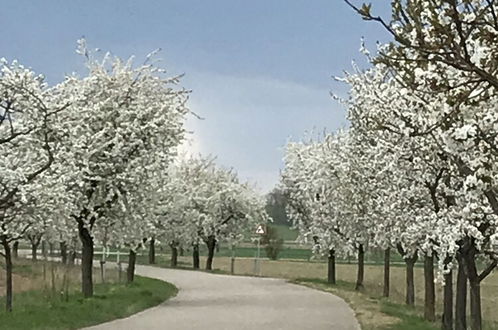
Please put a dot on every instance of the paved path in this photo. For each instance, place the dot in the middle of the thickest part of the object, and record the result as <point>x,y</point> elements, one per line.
<point>220,302</point>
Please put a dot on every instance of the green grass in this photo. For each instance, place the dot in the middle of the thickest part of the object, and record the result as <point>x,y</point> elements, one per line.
<point>410,319</point>
<point>239,252</point>
<point>41,310</point>
<point>489,325</point>
<point>250,252</point>
<point>374,313</point>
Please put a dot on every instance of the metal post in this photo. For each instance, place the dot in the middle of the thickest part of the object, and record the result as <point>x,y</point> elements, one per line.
<point>232,260</point>
<point>118,261</point>
<point>257,264</point>
<point>102,265</point>
<point>259,255</point>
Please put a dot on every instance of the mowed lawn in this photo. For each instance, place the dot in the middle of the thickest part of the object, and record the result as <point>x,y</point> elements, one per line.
<point>295,269</point>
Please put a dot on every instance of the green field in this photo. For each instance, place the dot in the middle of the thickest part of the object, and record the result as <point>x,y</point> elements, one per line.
<point>251,252</point>
<point>285,232</point>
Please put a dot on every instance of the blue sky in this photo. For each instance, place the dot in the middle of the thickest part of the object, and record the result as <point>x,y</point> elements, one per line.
<point>260,71</point>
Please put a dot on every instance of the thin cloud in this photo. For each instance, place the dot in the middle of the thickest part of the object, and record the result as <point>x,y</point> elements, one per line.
<point>249,119</point>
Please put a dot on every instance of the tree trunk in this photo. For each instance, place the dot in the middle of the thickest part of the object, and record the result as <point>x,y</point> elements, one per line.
<point>461,296</point>
<point>331,269</point>
<point>43,247</point>
<point>34,248</point>
<point>102,271</point>
<point>44,271</point>
<point>429,288</point>
<point>475,291</point>
<point>152,251</point>
<point>211,245</point>
<point>387,270</point>
<point>65,283</point>
<point>86,260</point>
<point>71,258</point>
<point>174,255</point>
<point>195,256</point>
<point>361,268</point>
<point>410,280</point>
<point>51,249</point>
<point>475,306</point>
<point>130,271</point>
<point>448,301</point>
<point>15,249</point>
<point>8,273</point>
<point>63,247</point>
<point>52,277</point>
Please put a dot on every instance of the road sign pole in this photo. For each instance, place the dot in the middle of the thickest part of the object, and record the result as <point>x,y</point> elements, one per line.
<point>259,255</point>
<point>232,260</point>
<point>257,265</point>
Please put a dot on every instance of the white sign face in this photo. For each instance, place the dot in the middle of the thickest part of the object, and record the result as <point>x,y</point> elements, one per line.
<point>260,230</point>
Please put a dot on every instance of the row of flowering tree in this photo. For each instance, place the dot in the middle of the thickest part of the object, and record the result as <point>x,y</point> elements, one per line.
<point>203,203</point>
<point>416,171</point>
<point>91,161</point>
<point>72,153</point>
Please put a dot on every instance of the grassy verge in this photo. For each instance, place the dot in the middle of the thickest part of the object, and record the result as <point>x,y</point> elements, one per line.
<point>41,309</point>
<point>373,313</point>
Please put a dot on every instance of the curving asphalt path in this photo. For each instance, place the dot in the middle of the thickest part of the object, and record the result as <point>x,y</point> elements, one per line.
<point>220,302</point>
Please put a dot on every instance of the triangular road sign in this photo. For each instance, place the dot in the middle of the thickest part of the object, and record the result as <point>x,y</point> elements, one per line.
<point>260,230</point>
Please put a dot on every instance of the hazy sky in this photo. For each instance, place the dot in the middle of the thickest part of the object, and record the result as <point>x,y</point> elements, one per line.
<point>260,71</point>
